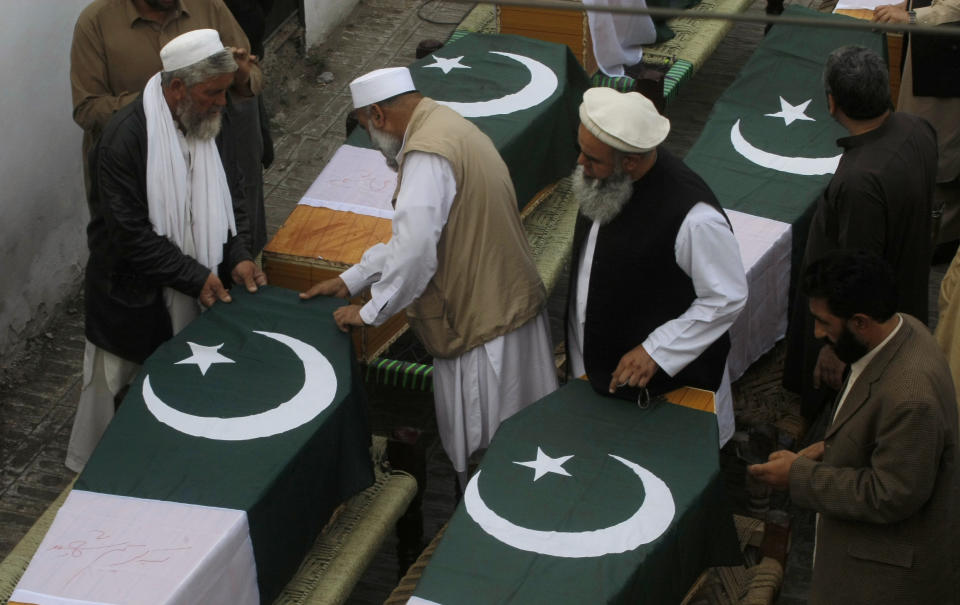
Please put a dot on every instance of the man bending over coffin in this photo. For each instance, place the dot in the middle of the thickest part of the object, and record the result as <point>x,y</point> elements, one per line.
<point>163,227</point>
<point>458,261</point>
<point>657,277</point>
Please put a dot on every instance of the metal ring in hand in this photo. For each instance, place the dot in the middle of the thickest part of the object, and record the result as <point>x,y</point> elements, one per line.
<point>643,398</point>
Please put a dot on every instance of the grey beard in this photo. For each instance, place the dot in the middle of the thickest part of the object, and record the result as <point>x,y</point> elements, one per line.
<point>602,200</point>
<point>388,145</point>
<point>197,125</point>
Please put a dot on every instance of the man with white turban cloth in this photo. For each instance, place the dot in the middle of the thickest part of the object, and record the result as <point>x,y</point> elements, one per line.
<point>163,229</point>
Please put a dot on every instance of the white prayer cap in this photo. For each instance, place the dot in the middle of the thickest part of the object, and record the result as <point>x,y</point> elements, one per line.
<point>627,121</point>
<point>189,48</point>
<point>380,85</point>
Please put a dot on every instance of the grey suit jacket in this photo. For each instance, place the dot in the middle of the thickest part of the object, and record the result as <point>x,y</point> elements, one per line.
<point>888,489</point>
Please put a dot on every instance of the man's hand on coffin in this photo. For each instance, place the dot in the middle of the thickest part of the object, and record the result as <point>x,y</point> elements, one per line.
<point>829,369</point>
<point>330,287</point>
<point>776,472</point>
<point>247,273</point>
<point>213,291</point>
<point>636,368</point>
<point>892,13</point>
<point>348,316</point>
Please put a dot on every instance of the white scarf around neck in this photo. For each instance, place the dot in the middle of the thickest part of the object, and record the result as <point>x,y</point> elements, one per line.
<point>205,208</point>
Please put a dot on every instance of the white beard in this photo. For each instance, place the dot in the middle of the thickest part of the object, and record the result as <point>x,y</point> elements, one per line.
<point>602,200</point>
<point>388,145</point>
<point>197,125</point>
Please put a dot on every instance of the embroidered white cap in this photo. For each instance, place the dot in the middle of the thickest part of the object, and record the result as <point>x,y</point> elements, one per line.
<point>379,85</point>
<point>189,48</point>
<point>627,121</point>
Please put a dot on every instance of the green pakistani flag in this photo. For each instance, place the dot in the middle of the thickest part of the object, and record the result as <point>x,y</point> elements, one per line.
<point>769,147</point>
<point>522,93</point>
<point>254,406</point>
<point>587,499</point>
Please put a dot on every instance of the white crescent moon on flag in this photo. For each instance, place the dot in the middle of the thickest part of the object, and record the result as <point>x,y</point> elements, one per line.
<point>793,165</point>
<point>319,389</point>
<point>648,523</point>
<point>543,83</point>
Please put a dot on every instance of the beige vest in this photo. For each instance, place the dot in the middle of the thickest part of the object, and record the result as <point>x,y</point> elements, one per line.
<point>486,283</point>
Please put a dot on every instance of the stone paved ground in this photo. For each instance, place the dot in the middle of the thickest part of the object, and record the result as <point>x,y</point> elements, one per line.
<point>36,412</point>
<point>38,393</point>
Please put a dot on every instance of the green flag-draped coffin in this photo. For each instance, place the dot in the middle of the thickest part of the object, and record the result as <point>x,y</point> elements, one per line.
<point>769,147</point>
<point>249,420</point>
<point>767,151</point>
<point>522,93</point>
<point>587,499</point>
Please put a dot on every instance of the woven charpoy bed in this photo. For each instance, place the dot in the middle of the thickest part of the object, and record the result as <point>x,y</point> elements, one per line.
<point>330,570</point>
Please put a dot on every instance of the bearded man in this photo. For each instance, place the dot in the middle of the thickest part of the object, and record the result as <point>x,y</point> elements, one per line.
<point>115,51</point>
<point>458,261</point>
<point>884,479</point>
<point>657,277</point>
<point>163,225</point>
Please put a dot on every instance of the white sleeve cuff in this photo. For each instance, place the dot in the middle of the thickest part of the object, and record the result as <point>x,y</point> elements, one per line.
<point>661,357</point>
<point>369,313</point>
<point>354,279</point>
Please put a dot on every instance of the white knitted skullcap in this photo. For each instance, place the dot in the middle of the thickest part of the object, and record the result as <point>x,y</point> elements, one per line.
<point>626,121</point>
<point>189,48</point>
<point>379,85</point>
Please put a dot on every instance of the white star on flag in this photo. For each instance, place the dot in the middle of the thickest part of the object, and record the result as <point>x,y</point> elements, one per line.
<point>789,112</point>
<point>447,64</point>
<point>204,357</point>
<point>545,464</point>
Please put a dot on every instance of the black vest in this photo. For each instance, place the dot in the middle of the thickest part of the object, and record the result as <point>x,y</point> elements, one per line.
<point>636,284</point>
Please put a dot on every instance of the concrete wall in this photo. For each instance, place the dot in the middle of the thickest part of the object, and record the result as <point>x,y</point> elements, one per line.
<point>42,205</point>
<point>321,17</point>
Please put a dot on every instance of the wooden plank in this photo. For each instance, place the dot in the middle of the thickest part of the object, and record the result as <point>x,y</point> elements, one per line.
<point>895,56</point>
<point>559,26</point>
<point>688,397</point>
<point>697,399</point>
<point>287,238</point>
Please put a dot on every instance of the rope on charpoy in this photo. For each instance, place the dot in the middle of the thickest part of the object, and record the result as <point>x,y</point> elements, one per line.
<point>393,371</point>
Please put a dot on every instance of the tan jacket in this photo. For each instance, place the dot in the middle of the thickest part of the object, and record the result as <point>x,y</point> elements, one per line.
<point>887,489</point>
<point>486,283</point>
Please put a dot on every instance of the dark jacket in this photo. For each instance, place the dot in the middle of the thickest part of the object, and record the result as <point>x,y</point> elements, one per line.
<point>129,262</point>
<point>878,200</point>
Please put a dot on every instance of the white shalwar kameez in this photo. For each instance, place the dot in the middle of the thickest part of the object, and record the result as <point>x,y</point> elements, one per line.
<point>707,251</point>
<point>481,388</point>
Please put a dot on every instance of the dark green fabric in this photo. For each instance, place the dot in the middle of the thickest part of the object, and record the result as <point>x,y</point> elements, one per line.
<point>677,444</point>
<point>288,483</point>
<point>538,144</point>
<point>664,32</point>
<point>789,64</point>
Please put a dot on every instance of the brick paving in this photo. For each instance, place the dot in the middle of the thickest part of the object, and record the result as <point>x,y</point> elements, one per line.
<point>36,413</point>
